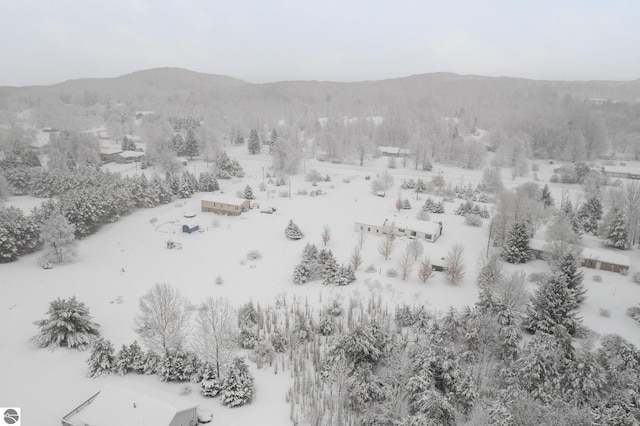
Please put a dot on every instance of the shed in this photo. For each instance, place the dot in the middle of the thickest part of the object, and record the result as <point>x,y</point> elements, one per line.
<point>130,157</point>
<point>604,260</point>
<point>133,405</point>
<point>188,229</point>
<point>394,151</point>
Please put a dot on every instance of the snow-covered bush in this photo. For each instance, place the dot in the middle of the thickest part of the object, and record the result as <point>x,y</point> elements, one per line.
<point>634,312</point>
<point>423,215</point>
<point>278,341</point>
<point>473,219</point>
<point>432,206</point>
<point>293,232</point>
<point>180,366</point>
<point>248,338</point>
<point>254,255</point>
<point>69,324</point>
<point>392,272</point>
<point>262,353</point>
<point>101,361</point>
<point>313,176</point>
<point>636,277</point>
<point>597,278</point>
<point>326,326</point>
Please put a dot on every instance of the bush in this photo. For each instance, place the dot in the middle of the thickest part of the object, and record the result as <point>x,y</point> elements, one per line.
<point>423,215</point>
<point>262,353</point>
<point>283,194</point>
<point>605,312</point>
<point>392,273</point>
<point>554,179</point>
<point>473,220</point>
<point>636,278</point>
<point>313,176</point>
<point>597,278</point>
<point>371,269</point>
<point>254,255</point>
<point>219,280</point>
<point>302,192</point>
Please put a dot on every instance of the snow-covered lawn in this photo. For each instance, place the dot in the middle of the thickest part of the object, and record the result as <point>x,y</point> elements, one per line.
<point>123,260</point>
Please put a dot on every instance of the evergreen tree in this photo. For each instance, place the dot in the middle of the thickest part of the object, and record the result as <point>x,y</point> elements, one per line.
<point>123,362</point>
<point>568,267</point>
<point>207,182</point>
<point>128,144</point>
<point>248,193</point>
<point>545,197</point>
<point>553,305</point>
<point>69,324</point>
<point>301,273</point>
<point>237,386</point>
<point>516,247</point>
<point>238,139</point>
<point>59,240</point>
<point>589,214</point>
<point>191,146</point>
<point>101,361</point>
<point>274,137</point>
<point>254,142</point>
<point>615,232</point>
<point>178,145</point>
<point>293,232</point>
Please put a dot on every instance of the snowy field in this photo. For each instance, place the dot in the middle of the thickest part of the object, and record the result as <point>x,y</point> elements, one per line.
<point>123,260</point>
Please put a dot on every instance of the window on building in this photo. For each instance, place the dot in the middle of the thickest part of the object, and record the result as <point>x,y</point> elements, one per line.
<point>369,229</point>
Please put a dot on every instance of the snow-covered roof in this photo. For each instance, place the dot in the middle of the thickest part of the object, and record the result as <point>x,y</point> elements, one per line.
<point>416,225</point>
<point>224,199</point>
<point>621,169</point>
<point>131,154</point>
<point>372,221</point>
<point>394,150</point>
<point>606,256</point>
<point>110,151</point>
<point>134,405</point>
<point>144,112</point>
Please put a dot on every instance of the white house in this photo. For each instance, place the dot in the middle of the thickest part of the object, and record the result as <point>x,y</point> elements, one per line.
<point>394,151</point>
<point>429,231</point>
<point>133,405</point>
<point>222,204</point>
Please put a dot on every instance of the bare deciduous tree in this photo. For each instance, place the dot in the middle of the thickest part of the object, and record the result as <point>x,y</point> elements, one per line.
<point>454,264</point>
<point>362,237</point>
<point>425,271</point>
<point>326,235</point>
<point>386,245</point>
<point>216,332</point>
<point>511,290</point>
<point>163,320</point>
<point>399,203</point>
<point>405,264</point>
<point>356,258</point>
<point>416,248</point>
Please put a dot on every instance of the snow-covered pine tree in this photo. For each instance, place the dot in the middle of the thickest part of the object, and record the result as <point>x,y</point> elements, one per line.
<point>207,182</point>
<point>615,232</point>
<point>180,366</point>
<point>568,266</point>
<point>248,193</point>
<point>589,214</point>
<point>293,232</point>
<point>406,204</point>
<point>301,273</point>
<point>122,361</point>
<point>101,361</point>
<point>254,142</point>
<point>128,144</point>
<point>552,305</point>
<point>237,386</point>
<point>191,145</point>
<point>274,137</point>
<point>327,266</point>
<point>69,324</point>
<point>151,363</point>
<point>211,384</point>
<point>178,144</point>
<point>59,240</point>
<point>238,139</point>
<point>136,357</point>
<point>344,276</point>
<point>516,247</point>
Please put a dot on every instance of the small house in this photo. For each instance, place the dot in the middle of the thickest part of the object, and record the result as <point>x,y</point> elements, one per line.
<point>393,151</point>
<point>604,260</point>
<point>429,231</point>
<point>134,405</point>
<point>221,204</point>
<point>130,157</point>
<point>621,172</point>
<point>109,155</point>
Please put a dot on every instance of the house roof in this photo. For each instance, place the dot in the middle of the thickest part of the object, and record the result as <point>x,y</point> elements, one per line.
<point>133,405</point>
<point>620,169</point>
<point>415,225</point>
<point>225,199</point>
<point>394,150</point>
<point>131,154</point>
<point>606,256</point>
<point>110,151</point>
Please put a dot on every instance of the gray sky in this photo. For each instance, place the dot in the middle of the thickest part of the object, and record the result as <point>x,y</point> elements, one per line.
<point>48,41</point>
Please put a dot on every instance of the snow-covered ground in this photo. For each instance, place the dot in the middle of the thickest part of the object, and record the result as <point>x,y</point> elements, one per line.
<point>123,260</point>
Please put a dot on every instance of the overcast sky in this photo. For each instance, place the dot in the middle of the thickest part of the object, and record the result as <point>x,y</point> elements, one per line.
<point>48,41</point>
